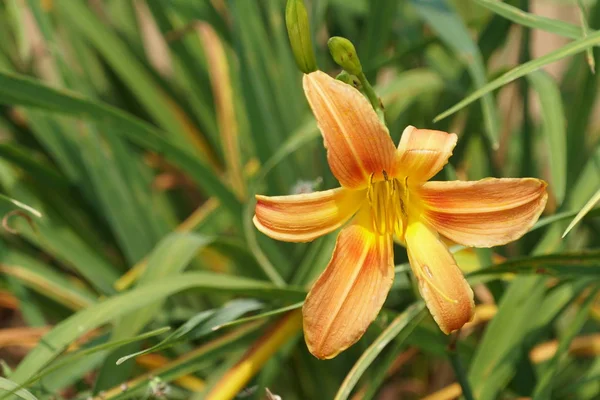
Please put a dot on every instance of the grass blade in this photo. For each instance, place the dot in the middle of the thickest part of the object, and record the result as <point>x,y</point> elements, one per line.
<point>531,20</point>
<point>555,129</point>
<point>451,29</point>
<point>20,206</point>
<point>259,316</point>
<point>572,48</point>
<point>565,264</point>
<point>165,111</point>
<point>543,389</point>
<point>15,89</point>
<point>201,325</point>
<point>13,388</point>
<point>223,92</point>
<point>585,29</point>
<point>403,325</point>
<point>582,213</point>
<point>117,306</point>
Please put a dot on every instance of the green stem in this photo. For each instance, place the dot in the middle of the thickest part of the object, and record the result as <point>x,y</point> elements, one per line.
<point>371,95</point>
<point>459,371</point>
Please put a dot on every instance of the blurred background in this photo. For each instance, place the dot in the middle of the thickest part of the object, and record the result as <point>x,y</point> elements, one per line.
<point>135,133</point>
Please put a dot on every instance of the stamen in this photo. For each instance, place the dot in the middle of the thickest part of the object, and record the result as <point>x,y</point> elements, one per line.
<point>387,207</point>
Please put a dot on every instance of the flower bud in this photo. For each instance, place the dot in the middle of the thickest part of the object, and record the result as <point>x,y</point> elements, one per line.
<point>347,78</point>
<point>344,54</point>
<point>296,20</point>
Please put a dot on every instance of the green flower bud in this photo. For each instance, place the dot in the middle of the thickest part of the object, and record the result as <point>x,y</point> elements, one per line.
<point>296,20</point>
<point>347,78</point>
<point>344,54</point>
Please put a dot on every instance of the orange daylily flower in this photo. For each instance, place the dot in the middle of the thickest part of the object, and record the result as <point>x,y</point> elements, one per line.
<point>384,192</point>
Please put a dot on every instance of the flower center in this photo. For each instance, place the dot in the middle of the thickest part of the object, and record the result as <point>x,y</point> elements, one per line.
<point>388,199</point>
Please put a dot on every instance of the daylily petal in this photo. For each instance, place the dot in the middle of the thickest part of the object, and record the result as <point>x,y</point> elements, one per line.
<point>357,143</point>
<point>484,213</point>
<point>305,217</point>
<point>441,283</point>
<point>350,292</point>
<point>422,153</point>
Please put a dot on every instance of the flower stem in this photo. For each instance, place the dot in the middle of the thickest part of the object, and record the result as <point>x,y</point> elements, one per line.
<point>371,95</point>
<point>457,366</point>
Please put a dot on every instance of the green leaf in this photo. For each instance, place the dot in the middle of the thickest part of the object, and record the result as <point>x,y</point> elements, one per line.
<point>543,389</point>
<point>126,216</point>
<point>133,73</point>
<point>46,281</point>
<point>495,358</point>
<point>89,351</point>
<point>201,324</point>
<point>52,234</point>
<point>562,264</point>
<point>585,30</point>
<point>451,29</point>
<point>12,203</point>
<point>583,212</point>
<point>23,158</point>
<point>554,127</point>
<point>206,354</point>
<point>271,313</point>
<point>545,221</point>
<point>406,88</point>
<point>20,90</point>
<point>13,388</point>
<point>531,20</point>
<point>570,49</point>
<point>73,327</point>
<point>403,325</point>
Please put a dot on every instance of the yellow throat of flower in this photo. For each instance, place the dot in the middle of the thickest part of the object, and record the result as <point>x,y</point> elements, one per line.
<point>388,201</point>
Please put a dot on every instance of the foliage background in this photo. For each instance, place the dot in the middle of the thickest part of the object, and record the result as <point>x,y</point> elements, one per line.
<point>135,133</point>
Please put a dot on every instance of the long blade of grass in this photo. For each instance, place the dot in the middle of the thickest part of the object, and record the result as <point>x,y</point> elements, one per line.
<point>166,112</point>
<point>72,357</point>
<point>201,325</point>
<point>494,360</point>
<point>451,29</point>
<point>73,327</point>
<point>52,234</point>
<point>583,212</point>
<point>542,222</point>
<point>403,325</point>
<point>9,386</point>
<point>15,89</point>
<point>46,281</point>
<point>555,129</point>
<point>237,377</point>
<point>531,20</point>
<point>543,390</point>
<point>574,47</point>
<point>12,203</point>
<point>570,264</point>
<point>39,169</point>
<point>185,364</point>
<point>585,30</point>
<point>259,316</point>
<point>223,93</point>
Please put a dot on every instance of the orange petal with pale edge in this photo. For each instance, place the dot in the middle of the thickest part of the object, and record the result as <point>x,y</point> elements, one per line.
<point>484,213</point>
<point>305,217</point>
<point>349,293</point>
<point>422,153</point>
<point>441,283</point>
<point>357,143</point>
